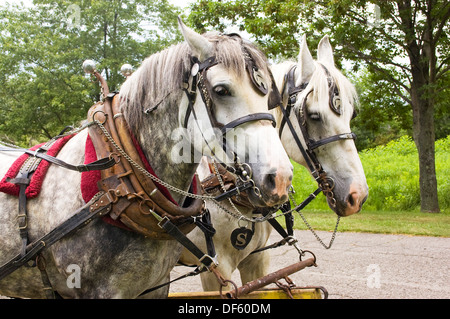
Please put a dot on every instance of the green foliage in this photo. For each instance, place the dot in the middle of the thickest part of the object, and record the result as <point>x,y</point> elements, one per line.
<point>392,173</point>
<point>273,23</point>
<point>373,35</point>
<point>42,47</point>
<point>382,116</point>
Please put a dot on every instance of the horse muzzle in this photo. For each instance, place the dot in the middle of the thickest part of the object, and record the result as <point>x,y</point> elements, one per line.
<point>273,187</point>
<point>349,202</point>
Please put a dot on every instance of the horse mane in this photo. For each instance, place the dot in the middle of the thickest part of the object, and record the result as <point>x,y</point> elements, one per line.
<point>158,81</point>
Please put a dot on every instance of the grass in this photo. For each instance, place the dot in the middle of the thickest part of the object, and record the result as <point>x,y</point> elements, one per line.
<point>382,222</point>
<point>393,206</point>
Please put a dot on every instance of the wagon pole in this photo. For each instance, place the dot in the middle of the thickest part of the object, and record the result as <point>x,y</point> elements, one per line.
<point>270,278</point>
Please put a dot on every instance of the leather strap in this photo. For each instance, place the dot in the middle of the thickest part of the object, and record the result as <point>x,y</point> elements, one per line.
<point>344,136</point>
<point>206,226</point>
<point>174,231</point>
<point>81,217</point>
<point>136,195</point>
<point>248,118</point>
<point>101,164</point>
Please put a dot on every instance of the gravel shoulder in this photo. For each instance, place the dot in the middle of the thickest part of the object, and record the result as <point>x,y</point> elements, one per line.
<point>362,266</point>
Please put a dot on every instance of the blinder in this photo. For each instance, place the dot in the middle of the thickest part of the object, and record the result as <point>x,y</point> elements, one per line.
<point>335,100</point>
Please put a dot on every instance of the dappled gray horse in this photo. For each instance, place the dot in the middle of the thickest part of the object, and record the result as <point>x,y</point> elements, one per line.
<point>159,105</point>
<point>321,114</point>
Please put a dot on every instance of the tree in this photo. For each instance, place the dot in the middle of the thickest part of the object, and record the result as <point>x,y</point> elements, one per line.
<point>42,85</point>
<point>403,43</point>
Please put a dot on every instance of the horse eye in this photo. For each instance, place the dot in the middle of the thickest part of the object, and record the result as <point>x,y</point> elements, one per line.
<point>314,116</point>
<point>220,90</point>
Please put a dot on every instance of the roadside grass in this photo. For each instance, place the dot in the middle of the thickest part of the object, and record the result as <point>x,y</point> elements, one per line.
<point>382,222</point>
<point>393,205</point>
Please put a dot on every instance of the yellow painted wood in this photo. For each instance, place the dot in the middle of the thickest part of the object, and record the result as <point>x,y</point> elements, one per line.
<point>297,293</point>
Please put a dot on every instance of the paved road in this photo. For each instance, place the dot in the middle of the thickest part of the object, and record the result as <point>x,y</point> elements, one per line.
<point>363,266</point>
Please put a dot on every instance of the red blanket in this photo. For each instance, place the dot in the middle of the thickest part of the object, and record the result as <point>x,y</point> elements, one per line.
<point>37,178</point>
<point>88,179</point>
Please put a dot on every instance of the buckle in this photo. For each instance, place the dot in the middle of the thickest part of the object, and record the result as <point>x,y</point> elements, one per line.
<point>207,261</point>
<point>161,220</point>
<point>24,223</point>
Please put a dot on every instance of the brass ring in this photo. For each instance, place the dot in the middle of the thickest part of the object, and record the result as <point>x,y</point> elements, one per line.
<point>115,157</point>
<point>99,111</point>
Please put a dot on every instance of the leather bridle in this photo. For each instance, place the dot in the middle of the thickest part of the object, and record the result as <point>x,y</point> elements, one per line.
<point>196,78</point>
<point>325,182</point>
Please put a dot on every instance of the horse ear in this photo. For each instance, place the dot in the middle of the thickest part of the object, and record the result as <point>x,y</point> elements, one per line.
<point>305,63</point>
<point>200,46</point>
<point>325,51</point>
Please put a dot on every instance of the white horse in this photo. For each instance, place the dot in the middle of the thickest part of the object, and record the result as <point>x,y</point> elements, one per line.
<point>116,263</point>
<point>338,157</point>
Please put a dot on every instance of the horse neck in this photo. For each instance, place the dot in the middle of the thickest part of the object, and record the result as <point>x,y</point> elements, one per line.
<point>156,143</point>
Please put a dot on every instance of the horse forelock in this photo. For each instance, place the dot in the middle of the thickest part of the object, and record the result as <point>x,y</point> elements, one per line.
<point>158,80</point>
<point>229,51</point>
<point>319,83</point>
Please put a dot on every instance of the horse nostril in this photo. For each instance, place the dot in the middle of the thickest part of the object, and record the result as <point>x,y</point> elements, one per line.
<point>351,200</point>
<point>271,180</point>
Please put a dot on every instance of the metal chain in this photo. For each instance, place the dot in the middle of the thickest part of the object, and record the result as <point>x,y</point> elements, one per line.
<point>333,236</point>
<point>237,214</point>
<point>145,172</point>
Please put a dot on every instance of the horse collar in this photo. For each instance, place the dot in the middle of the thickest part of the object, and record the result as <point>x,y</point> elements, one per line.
<point>133,195</point>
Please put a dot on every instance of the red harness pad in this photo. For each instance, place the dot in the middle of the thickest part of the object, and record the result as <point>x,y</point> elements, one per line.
<point>37,178</point>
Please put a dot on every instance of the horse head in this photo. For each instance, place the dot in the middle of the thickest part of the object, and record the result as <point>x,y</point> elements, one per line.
<point>322,101</point>
<point>223,89</point>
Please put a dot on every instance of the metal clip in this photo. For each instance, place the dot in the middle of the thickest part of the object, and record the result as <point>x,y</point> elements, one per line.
<point>209,261</point>
<point>161,220</point>
<point>25,221</point>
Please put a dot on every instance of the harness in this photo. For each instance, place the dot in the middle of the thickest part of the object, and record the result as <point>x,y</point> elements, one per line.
<point>134,197</point>
<point>127,191</point>
<point>326,183</point>
<point>197,78</point>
